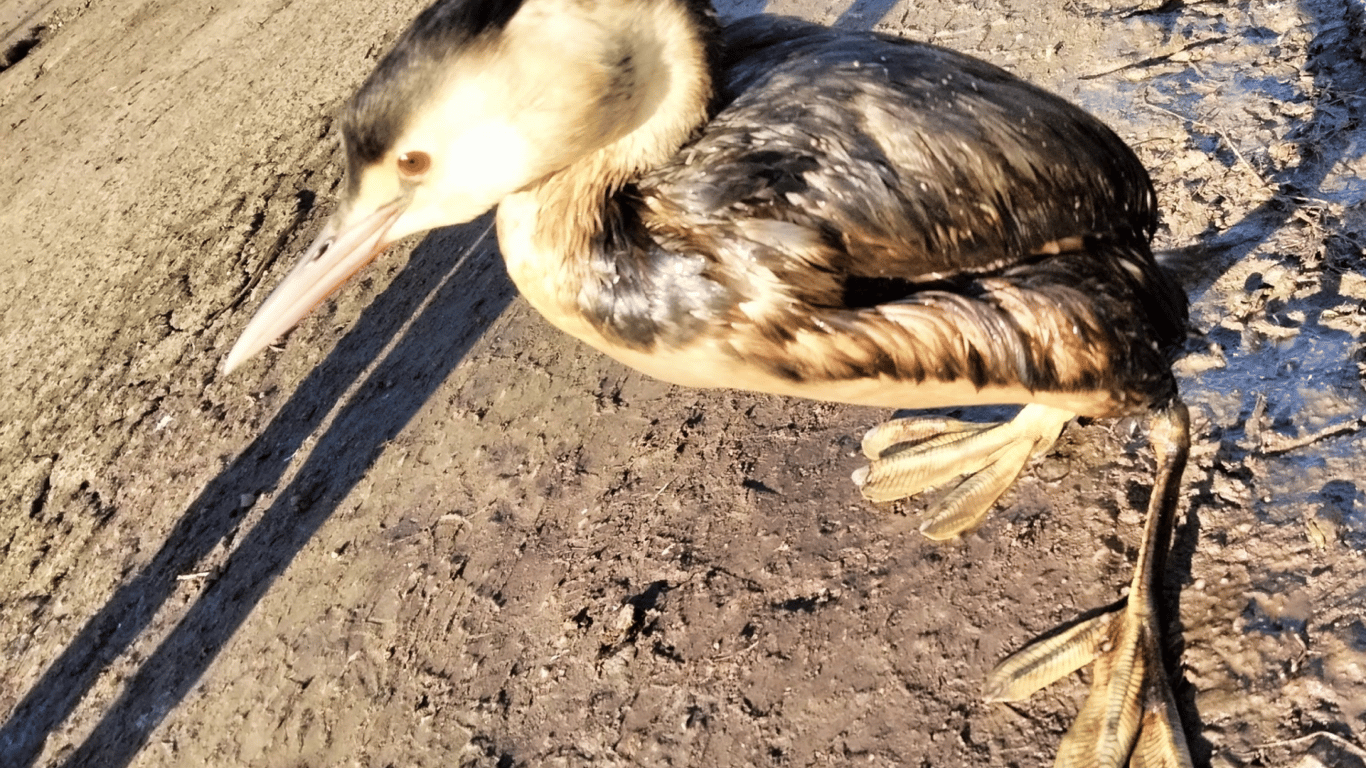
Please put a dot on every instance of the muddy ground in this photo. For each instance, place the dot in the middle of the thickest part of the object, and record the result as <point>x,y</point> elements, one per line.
<point>430,531</point>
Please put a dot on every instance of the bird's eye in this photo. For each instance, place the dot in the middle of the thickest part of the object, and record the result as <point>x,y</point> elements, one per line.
<point>414,164</point>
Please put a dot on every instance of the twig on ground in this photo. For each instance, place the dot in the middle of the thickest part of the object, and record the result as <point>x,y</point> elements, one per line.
<point>1342,742</point>
<point>1159,59</point>
<point>661,489</point>
<point>1277,444</point>
<point>1227,141</point>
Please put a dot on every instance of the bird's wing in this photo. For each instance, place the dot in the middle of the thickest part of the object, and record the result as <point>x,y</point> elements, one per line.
<point>899,160</point>
<point>866,207</point>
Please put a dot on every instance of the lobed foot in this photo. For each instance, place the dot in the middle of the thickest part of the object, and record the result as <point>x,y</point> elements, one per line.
<point>1130,716</point>
<point>909,455</point>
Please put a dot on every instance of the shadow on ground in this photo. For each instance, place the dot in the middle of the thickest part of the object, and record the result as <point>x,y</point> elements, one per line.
<point>421,357</point>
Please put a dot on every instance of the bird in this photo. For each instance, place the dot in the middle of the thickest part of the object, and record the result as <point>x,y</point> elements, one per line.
<point>773,205</point>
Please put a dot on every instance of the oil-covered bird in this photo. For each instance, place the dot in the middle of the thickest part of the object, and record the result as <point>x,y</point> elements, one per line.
<point>777,206</point>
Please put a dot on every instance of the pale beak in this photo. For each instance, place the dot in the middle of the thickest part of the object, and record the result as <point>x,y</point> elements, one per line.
<point>339,252</point>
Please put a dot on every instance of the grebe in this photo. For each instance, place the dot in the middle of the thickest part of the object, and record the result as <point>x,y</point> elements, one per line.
<point>781,207</point>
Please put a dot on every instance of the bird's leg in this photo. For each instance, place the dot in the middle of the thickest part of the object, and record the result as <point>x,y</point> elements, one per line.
<point>1130,717</point>
<point>908,455</point>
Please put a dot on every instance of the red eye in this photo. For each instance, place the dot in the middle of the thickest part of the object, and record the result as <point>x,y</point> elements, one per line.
<point>414,164</point>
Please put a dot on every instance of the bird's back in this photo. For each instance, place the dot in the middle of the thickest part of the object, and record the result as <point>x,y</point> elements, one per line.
<point>926,162</point>
<point>867,209</point>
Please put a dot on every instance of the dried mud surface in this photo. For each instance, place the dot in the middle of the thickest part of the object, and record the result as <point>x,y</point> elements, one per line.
<point>431,531</point>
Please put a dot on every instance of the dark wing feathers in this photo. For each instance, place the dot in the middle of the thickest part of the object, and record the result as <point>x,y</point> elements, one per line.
<point>925,162</point>
<point>871,207</point>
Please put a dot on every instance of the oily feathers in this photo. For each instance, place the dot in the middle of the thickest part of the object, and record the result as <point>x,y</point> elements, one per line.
<point>871,207</point>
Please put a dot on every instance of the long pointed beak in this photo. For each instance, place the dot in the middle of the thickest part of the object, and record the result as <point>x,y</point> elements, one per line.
<point>338,253</point>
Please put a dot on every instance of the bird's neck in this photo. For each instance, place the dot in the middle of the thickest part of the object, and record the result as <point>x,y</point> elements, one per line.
<point>548,231</point>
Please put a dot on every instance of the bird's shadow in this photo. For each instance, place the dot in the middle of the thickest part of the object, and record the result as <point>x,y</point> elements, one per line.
<point>454,305</point>
<point>864,14</point>
<point>860,15</point>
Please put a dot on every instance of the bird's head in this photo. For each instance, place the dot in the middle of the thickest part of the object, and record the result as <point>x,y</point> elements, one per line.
<point>479,99</point>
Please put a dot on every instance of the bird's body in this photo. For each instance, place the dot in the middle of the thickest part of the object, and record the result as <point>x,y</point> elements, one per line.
<point>834,228</point>
<point>781,207</point>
